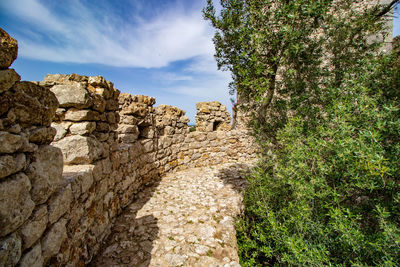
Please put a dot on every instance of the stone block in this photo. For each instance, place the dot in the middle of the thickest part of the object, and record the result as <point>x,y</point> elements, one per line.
<point>33,229</point>
<point>60,203</point>
<point>137,109</point>
<point>80,177</point>
<point>78,149</point>
<point>7,79</point>
<point>10,143</point>
<point>41,135</point>
<point>33,258</point>
<point>16,204</point>
<point>10,251</point>
<point>32,104</point>
<point>83,128</point>
<point>61,128</point>
<point>52,241</point>
<point>45,172</point>
<point>72,95</point>
<point>81,115</point>
<point>8,49</point>
<point>10,164</point>
<point>128,138</point>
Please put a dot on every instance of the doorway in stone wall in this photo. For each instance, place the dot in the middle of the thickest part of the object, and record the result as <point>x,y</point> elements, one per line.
<point>216,125</point>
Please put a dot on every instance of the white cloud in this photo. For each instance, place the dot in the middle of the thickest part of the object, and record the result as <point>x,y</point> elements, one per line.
<point>80,35</point>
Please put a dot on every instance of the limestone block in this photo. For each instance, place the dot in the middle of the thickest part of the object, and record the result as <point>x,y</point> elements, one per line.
<point>10,164</point>
<point>10,251</point>
<point>33,229</point>
<point>103,127</point>
<point>7,79</point>
<point>78,149</point>
<point>83,128</point>
<point>61,128</point>
<point>32,104</point>
<point>98,81</point>
<point>127,138</point>
<point>148,132</point>
<point>33,258</point>
<point>112,105</point>
<point>80,177</point>
<point>73,95</point>
<point>10,143</point>
<point>99,103</point>
<point>45,172</point>
<point>52,241</point>
<point>41,135</point>
<point>16,204</point>
<point>81,115</point>
<point>8,49</point>
<point>125,128</point>
<point>137,109</point>
<point>127,119</point>
<point>60,203</point>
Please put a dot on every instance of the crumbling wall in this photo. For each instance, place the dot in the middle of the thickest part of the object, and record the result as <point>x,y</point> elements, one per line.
<point>212,116</point>
<point>31,227</point>
<point>74,152</point>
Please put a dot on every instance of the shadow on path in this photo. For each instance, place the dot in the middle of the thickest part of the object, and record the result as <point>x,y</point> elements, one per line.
<point>234,175</point>
<point>131,240</point>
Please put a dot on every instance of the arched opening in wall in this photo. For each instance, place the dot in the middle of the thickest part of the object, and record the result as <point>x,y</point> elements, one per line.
<point>216,125</point>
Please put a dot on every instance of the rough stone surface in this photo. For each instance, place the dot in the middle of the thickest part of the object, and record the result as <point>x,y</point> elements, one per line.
<point>79,149</point>
<point>7,79</point>
<point>72,95</point>
<point>16,204</point>
<point>52,241</point>
<point>81,115</point>
<point>33,258</point>
<point>10,143</point>
<point>42,135</point>
<point>45,172</point>
<point>185,220</point>
<point>10,164</point>
<point>10,251</point>
<point>60,203</point>
<point>35,227</point>
<point>8,49</point>
<point>32,104</point>
<point>83,128</point>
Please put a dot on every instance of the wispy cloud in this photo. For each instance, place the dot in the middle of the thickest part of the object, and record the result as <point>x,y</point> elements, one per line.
<point>82,35</point>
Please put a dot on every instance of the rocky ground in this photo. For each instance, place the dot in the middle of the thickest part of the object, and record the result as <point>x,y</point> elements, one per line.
<point>186,219</point>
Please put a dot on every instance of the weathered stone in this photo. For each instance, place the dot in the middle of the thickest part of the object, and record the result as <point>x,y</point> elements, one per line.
<point>34,227</point>
<point>42,135</point>
<point>45,172</point>
<point>16,204</point>
<point>112,105</point>
<point>82,177</point>
<point>127,119</point>
<point>127,138</point>
<point>81,115</point>
<point>99,103</point>
<point>60,203</point>
<point>137,109</point>
<point>32,104</point>
<point>10,251</point>
<point>10,143</point>
<point>33,258</point>
<point>8,49</point>
<point>10,164</point>
<point>98,81</point>
<point>103,127</point>
<point>61,128</point>
<point>83,128</point>
<point>52,241</point>
<point>79,149</point>
<point>7,79</point>
<point>124,128</point>
<point>73,95</point>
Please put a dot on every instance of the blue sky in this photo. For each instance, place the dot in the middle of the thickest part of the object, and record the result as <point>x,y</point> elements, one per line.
<point>160,48</point>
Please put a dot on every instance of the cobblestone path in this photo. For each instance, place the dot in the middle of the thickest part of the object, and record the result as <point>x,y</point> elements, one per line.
<point>184,220</point>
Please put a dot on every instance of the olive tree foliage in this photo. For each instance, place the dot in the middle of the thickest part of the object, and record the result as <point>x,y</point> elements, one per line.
<point>282,54</point>
<point>325,103</point>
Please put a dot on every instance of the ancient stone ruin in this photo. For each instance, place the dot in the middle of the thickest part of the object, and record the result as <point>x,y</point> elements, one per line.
<point>74,152</point>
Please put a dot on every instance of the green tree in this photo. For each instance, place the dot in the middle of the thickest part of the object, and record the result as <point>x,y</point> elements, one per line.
<point>326,113</point>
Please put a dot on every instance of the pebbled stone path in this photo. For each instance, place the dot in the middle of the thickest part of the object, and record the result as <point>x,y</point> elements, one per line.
<point>186,219</point>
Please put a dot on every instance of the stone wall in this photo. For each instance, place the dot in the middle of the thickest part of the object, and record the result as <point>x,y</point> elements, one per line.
<point>74,152</point>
